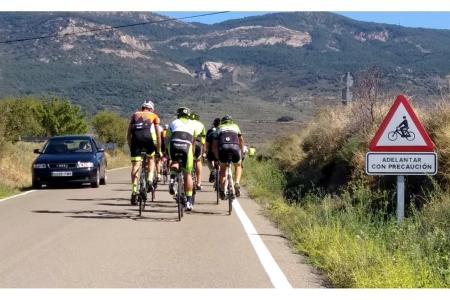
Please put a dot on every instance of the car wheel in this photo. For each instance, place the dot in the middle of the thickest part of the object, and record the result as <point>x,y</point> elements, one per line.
<point>104,179</point>
<point>96,183</point>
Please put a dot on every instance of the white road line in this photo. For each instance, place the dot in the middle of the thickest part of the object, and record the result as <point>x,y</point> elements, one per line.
<point>31,191</point>
<point>119,168</point>
<point>18,195</point>
<point>271,267</point>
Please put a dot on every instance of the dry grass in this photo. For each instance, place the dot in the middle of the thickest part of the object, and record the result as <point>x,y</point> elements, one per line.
<point>15,164</point>
<point>117,159</point>
<point>336,141</point>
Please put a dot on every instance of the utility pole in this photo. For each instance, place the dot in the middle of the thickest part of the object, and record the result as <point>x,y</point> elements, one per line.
<point>347,94</point>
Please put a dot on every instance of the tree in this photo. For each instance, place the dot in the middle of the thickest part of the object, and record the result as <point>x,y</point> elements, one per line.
<point>62,117</point>
<point>110,127</point>
<point>20,117</point>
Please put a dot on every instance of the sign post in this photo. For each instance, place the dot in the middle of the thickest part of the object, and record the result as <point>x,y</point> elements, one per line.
<point>347,94</point>
<point>401,147</point>
<point>400,197</point>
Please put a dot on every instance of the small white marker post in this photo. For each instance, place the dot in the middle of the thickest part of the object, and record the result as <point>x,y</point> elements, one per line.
<point>400,197</point>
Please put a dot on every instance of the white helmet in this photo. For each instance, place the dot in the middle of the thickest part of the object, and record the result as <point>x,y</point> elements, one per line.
<point>148,104</point>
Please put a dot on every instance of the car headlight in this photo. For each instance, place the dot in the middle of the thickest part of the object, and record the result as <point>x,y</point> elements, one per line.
<point>81,164</point>
<point>39,166</point>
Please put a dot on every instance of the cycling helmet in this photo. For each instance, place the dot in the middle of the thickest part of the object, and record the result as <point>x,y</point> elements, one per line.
<point>148,104</point>
<point>216,122</point>
<point>226,120</point>
<point>183,112</point>
<point>195,116</point>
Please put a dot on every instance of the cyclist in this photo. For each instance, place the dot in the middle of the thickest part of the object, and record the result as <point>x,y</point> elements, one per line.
<point>157,162</point>
<point>251,151</point>
<point>140,140</point>
<point>199,148</point>
<point>228,140</point>
<point>209,153</point>
<point>403,127</point>
<point>182,133</point>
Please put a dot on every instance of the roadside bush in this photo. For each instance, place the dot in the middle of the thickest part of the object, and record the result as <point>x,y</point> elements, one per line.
<point>110,127</point>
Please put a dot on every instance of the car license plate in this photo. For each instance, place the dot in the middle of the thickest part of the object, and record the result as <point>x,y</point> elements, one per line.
<point>62,174</point>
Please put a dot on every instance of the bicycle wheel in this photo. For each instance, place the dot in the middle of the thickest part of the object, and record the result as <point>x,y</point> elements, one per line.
<point>411,136</point>
<point>180,195</point>
<point>392,135</point>
<point>141,204</point>
<point>230,192</point>
<point>216,186</point>
<point>194,185</point>
<point>142,191</point>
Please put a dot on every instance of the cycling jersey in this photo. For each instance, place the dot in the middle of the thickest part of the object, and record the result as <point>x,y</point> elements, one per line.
<point>141,123</point>
<point>228,134</point>
<point>202,131</point>
<point>181,133</point>
<point>153,132</point>
<point>229,144</point>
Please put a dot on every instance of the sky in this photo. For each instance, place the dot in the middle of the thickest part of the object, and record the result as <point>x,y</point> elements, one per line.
<point>435,20</point>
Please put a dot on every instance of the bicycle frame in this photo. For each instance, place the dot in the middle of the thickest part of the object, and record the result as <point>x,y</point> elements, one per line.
<point>142,184</point>
<point>229,184</point>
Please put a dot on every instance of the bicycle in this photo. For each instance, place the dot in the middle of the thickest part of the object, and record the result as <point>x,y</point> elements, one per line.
<point>142,184</point>
<point>409,135</point>
<point>165,169</point>
<point>229,185</point>
<point>152,188</point>
<point>194,182</point>
<point>179,195</point>
<point>216,181</point>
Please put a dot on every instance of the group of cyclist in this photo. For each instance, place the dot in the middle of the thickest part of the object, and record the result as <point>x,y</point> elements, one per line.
<point>184,142</point>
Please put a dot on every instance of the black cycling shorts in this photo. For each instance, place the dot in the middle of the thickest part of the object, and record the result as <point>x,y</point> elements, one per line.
<point>138,146</point>
<point>182,151</point>
<point>198,151</point>
<point>230,153</point>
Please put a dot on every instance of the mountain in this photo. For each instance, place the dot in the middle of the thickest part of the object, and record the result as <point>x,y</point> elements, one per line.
<point>275,64</point>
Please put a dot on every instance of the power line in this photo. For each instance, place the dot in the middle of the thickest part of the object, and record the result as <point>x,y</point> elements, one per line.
<point>107,28</point>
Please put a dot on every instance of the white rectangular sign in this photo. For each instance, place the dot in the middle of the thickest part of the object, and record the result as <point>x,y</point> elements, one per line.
<point>396,163</point>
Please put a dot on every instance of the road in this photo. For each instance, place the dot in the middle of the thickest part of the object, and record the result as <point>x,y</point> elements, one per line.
<point>92,238</point>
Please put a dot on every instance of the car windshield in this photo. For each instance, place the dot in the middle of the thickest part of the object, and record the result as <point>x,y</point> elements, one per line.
<point>61,146</point>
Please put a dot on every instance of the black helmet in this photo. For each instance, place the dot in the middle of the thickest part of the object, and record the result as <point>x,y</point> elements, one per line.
<point>183,112</point>
<point>226,120</point>
<point>216,122</point>
<point>195,116</point>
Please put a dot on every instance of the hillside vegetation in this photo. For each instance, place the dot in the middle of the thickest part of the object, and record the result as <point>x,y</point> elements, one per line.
<point>343,220</point>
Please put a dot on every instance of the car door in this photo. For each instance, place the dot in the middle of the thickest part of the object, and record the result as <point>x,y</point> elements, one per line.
<point>100,157</point>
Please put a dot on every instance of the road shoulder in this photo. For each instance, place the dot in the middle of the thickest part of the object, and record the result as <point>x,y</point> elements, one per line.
<point>295,266</point>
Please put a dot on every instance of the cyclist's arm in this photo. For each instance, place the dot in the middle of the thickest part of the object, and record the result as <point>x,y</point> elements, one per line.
<point>129,134</point>
<point>241,143</point>
<point>158,138</point>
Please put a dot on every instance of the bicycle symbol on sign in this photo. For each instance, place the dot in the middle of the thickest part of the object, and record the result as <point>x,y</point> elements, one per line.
<point>402,131</point>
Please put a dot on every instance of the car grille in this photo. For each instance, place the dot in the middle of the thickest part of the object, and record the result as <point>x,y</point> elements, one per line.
<point>62,165</point>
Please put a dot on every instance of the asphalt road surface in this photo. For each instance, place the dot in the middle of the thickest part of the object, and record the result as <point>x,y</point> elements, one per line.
<point>81,237</point>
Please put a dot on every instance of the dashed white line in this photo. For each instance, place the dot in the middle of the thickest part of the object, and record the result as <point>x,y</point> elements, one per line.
<point>269,264</point>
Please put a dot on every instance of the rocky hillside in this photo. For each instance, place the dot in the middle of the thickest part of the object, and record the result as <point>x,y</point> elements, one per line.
<point>286,60</point>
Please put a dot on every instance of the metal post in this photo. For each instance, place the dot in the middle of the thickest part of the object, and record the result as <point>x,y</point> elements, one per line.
<point>400,197</point>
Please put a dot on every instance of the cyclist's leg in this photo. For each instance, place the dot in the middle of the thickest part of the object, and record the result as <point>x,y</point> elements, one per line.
<point>135,152</point>
<point>173,167</point>
<point>210,158</point>
<point>187,172</point>
<point>198,164</point>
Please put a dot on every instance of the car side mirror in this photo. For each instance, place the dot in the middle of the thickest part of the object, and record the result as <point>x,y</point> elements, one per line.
<point>101,150</point>
<point>37,151</point>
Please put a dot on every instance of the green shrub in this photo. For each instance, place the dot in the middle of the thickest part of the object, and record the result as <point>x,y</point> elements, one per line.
<point>110,127</point>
